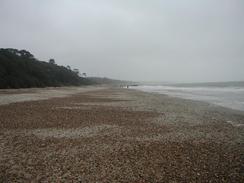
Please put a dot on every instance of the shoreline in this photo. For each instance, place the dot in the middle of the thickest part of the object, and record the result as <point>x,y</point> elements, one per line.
<point>202,104</point>
<point>120,135</point>
<point>228,97</point>
<point>8,96</point>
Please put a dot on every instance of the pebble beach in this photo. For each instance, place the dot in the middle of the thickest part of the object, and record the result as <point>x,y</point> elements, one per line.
<point>106,134</point>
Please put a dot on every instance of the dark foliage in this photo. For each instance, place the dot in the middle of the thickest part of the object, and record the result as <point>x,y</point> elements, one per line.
<point>20,69</point>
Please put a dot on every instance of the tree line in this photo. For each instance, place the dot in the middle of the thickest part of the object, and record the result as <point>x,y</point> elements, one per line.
<point>20,69</point>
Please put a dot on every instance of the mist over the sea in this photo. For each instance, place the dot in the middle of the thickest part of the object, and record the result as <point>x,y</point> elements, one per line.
<point>139,40</point>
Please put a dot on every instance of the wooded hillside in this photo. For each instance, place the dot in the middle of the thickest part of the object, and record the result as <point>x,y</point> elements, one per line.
<point>20,69</point>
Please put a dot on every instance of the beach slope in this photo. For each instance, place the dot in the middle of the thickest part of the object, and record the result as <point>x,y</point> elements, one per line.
<point>117,135</point>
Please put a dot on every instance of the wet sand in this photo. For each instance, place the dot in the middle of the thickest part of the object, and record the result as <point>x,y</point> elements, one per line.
<point>117,135</point>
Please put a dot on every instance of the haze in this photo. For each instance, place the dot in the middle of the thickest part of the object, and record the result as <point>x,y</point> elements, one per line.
<point>140,40</point>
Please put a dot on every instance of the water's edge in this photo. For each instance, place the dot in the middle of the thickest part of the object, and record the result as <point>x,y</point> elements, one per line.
<point>229,97</point>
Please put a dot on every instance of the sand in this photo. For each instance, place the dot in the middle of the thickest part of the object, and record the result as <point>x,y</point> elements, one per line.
<point>117,135</point>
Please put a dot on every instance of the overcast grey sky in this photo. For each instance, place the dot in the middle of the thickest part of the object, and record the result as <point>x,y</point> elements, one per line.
<point>153,40</point>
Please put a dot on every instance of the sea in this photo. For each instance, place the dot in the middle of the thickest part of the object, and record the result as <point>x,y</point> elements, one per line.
<point>226,94</point>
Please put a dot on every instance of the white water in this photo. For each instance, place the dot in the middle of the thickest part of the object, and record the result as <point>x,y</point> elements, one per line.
<point>230,97</point>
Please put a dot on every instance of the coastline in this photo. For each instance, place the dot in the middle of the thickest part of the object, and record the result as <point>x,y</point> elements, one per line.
<point>120,135</point>
<point>225,113</point>
<point>228,97</point>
